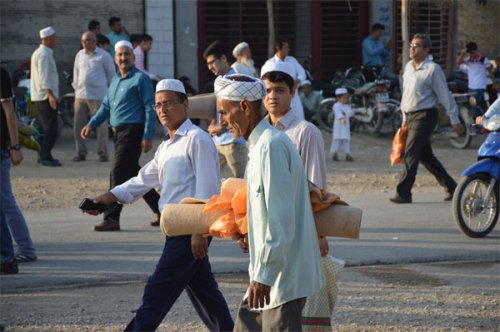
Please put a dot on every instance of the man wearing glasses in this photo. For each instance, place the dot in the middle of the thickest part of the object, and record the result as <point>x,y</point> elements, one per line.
<point>92,73</point>
<point>424,87</point>
<point>128,105</point>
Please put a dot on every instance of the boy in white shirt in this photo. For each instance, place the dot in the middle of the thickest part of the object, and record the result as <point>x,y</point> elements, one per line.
<point>341,127</point>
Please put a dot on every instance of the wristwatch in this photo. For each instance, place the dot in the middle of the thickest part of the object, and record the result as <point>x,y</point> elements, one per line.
<point>16,147</point>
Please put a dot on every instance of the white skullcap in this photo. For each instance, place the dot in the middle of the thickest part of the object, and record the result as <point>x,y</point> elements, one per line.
<point>123,43</point>
<point>170,85</point>
<point>340,91</point>
<point>47,32</point>
<point>249,88</point>
<point>238,48</point>
<point>277,66</point>
<point>305,82</point>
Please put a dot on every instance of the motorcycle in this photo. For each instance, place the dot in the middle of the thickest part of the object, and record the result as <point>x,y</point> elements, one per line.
<point>476,198</point>
<point>372,107</point>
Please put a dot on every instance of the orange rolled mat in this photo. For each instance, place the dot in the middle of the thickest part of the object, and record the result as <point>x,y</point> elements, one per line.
<point>202,106</point>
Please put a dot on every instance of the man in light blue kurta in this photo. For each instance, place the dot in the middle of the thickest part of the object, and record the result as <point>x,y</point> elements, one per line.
<point>285,265</point>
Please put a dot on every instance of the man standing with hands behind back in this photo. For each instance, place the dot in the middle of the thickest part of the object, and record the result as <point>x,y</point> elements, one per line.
<point>92,73</point>
<point>44,89</point>
<point>129,107</point>
<point>424,87</point>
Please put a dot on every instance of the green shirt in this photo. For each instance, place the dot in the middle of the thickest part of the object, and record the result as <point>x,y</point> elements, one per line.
<point>284,249</point>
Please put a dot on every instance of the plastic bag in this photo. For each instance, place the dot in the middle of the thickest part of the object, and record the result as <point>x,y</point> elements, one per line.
<point>398,146</point>
<point>318,310</point>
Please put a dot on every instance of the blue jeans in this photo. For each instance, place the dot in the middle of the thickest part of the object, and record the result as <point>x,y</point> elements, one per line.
<point>481,102</point>
<point>11,214</point>
<point>6,247</point>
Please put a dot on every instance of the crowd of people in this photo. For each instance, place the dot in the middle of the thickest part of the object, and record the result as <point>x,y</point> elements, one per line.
<point>259,130</point>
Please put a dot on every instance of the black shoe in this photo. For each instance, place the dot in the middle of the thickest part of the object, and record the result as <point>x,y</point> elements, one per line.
<point>25,259</point>
<point>79,157</point>
<point>103,159</point>
<point>9,267</point>
<point>107,226</point>
<point>50,162</point>
<point>349,158</point>
<point>335,157</point>
<point>400,200</point>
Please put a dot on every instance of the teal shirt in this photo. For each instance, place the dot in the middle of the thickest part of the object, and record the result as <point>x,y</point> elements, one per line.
<point>129,101</point>
<point>283,243</point>
<point>115,38</point>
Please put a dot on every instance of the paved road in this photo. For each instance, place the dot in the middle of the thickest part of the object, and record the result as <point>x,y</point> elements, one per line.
<point>71,254</point>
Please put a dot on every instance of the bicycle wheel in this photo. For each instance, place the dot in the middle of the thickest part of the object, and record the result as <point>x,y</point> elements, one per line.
<point>324,115</point>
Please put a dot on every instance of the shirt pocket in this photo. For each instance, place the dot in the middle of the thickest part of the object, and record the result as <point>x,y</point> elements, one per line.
<point>176,170</point>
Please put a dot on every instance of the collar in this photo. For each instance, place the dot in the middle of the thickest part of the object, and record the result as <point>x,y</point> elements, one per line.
<point>428,59</point>
<point>184,128</point>
<point>130,73</point>
<point>46,48</point>
<point>285,121</point>
<point>258,131</point>
<point>276,58</point>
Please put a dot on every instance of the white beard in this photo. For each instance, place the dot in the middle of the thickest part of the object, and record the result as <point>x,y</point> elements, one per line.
<point>248,62</point>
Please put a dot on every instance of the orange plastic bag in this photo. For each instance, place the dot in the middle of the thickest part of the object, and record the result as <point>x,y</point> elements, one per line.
<point>398,146</point>
<point>224,227</point>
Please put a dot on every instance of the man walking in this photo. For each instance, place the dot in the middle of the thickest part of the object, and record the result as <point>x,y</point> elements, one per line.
<point>424,87</point>
<point>185,165</point>
<point>92,73</point>
<point>285,265</point>
<point>44,89</point>
<point>232,152</point>
<point>128,106</point>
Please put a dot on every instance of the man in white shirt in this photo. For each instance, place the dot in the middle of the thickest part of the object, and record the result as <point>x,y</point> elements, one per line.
<point>44,89</point>
<point>92,73</point>
<point>299,74</point>
<point>478,69</point>
<point>185,165</point>
<point>244,63</point>
<point>285,265</point>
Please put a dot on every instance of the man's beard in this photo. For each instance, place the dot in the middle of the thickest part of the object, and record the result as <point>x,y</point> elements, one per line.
<point>247,62</point>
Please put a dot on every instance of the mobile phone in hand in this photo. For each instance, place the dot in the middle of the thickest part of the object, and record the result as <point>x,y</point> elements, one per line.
<point>88,204</point>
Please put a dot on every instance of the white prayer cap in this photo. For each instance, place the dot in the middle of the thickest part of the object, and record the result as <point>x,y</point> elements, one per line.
<point>47,32</point>
<point>238,87</point>
<point>277,66</point>
<point>340,91</point>
<point>170,85</point>
<point>305,82</point>
<point>238,48</point>
<point>123,43</point>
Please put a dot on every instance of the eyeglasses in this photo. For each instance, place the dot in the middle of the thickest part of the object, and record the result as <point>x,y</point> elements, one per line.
<point>166,105</point>
<point>415,46</point>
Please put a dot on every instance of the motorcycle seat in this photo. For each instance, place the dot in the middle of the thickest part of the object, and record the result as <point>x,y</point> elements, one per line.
<point>364,88</point>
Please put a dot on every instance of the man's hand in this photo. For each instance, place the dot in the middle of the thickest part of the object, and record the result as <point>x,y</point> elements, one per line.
<point>458,128</point>
<point>479,120</point>
<point>146,145</point>
<point>258,295</point>
<point>242,241</point>
<point>52,102</point>
<point>16,157</point>
<point>199,246</point>
<point>106,198</point>
<point>323,246</point>
<point>215,130</point>
<point>388,44</point>
<point>86,131</point>
<point>343,122</point>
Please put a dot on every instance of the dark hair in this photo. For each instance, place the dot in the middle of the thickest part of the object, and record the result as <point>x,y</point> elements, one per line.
<point>277,77</point>
<point>93,24</point>
<point>145,37</point>
<point>135,38</point>
<point>102,39</point>
<point>112,20</point>
<point>471,46</point>
<point>377,26</point>
<point>182,97</point>
<point>427,41</point>
<point>217,49</point>
<point>280,41</point>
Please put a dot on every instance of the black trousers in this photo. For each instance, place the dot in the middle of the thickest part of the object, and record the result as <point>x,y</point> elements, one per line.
<point>421,124</point>
<point>178,270</point>
<point>47,117</point>
<point>127,140</point>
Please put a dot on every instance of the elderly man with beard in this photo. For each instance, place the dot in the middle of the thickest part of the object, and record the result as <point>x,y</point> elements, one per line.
<point>129,107</point>
<point>185,165</point>
<point>244,63</point>
<point>285,265</point>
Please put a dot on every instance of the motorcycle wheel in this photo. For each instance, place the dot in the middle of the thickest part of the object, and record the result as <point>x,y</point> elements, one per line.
<point>392,118</point>
<point>376,122</point>
<point>471,216</point>
<point>462,142</point>
<point>67,110</point>
<point>324,115</point>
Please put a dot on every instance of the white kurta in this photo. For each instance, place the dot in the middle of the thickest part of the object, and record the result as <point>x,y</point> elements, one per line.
<point>299,74</point>
<point>341,111</point>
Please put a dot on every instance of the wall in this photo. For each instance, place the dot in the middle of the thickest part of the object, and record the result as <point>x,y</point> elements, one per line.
<point>21,21</point>
<point>479,23</point>
<point>160,25</point>
<point>186,40</point>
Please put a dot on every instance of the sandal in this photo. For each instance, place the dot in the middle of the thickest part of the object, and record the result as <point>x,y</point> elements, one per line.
<point>25,259</point>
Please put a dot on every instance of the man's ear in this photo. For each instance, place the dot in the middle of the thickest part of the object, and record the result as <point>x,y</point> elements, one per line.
<point>245,107</point>
<point>223,58</point>
<point>293,91</point>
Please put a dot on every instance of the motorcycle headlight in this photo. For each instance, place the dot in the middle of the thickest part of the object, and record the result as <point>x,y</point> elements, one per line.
<point>472,101</point>
<point>493,123</point>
